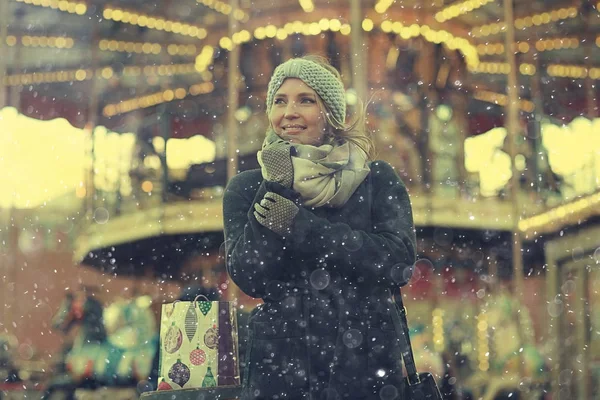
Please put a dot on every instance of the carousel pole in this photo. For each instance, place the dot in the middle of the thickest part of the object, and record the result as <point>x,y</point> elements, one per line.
<point>233,63</point>
<point>3,50</point>
<point>5,228</point>
<point>588,12</point>
<point>91,124</point>
<point>512,125</point>
<point>358,50</point>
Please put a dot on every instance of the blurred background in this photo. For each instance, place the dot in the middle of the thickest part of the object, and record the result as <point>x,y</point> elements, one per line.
<point>121,122</point>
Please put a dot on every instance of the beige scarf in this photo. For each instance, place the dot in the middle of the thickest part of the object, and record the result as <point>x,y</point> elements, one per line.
<point>326,175</point>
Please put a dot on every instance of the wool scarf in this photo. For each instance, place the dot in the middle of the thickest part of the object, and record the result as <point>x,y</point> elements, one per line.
<point>325,175</point>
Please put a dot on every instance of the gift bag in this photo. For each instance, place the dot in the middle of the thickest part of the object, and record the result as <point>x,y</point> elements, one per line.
<point>198,345</point>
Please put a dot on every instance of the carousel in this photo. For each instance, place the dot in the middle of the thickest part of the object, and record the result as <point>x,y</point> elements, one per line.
<point>121,123</point>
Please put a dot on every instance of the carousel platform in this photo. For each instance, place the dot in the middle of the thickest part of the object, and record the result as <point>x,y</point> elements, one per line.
<point>166,226</point>
<point>220,393</point>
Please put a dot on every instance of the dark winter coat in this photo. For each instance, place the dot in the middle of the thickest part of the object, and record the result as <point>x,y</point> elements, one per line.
<point>324,330</point>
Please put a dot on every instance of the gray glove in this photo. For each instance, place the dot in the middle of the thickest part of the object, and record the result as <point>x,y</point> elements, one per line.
<point>277,161</point>
<point>276,213</point>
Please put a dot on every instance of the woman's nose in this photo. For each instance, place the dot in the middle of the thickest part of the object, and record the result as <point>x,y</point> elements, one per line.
<point>290,110</point>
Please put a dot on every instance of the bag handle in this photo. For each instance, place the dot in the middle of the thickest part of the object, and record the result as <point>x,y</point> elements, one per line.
<point>401,326</point>
<point>199,296</point>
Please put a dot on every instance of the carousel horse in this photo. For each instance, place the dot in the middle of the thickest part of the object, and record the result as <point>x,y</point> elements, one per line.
<point>114,347</point>
<point>516,363</point>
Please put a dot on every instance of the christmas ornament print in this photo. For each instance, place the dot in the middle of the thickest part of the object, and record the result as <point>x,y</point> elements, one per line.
<point>173,339</point>
<point>191,322</point>
<point>209,379</point>
<point>198,356</point>
<point>163,385</point>
<point>211,338</point>
<point>179,373</point>
<point>204,306</point>
<point>169,308</point>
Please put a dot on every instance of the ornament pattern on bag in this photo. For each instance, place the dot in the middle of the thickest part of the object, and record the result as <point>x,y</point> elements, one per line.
<point>204,307</point>
<point>211,337</point>
<point>163,385</point>
<point>197,356</point>
<point>209,379</point>
<point>191,322</point>
<point>173,339</point>
<point>179,373</point>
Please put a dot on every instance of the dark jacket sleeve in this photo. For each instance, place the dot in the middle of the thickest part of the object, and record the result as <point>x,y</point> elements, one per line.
<point>384,256</point>
<point>253,252</point>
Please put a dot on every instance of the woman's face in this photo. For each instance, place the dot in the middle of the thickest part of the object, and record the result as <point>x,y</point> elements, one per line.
<point>295,114</point>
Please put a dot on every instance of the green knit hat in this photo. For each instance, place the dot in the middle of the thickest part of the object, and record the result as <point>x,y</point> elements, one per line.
<point>329,88</point>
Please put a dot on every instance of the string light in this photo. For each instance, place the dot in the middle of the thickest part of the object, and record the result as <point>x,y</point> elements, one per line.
<point>526,22</point>
<point>557,44</point>
<point>573,71</point>
<point>71,7</point>
<point>491,68</point>
<point>129,47</point>
<point>458,9</point>
<point>483,342</point>
<point>382,5</point>
<point>34,78</point>
<point>502,100</point>
<point>559,214</point>
<point>59,42</point>
<point>438,329</point>
<point>161,24</point>
<point>434,36</point>
<point>225,9</point>
<point>156,98</point>
<point>307,5</point>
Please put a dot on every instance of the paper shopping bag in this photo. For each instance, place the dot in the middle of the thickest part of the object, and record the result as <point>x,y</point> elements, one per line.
<point>198,345</point>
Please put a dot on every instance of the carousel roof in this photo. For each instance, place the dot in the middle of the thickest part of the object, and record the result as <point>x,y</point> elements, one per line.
<point>131,55</point>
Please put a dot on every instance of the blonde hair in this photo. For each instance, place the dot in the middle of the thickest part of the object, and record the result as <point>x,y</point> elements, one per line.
<point>354,132</point>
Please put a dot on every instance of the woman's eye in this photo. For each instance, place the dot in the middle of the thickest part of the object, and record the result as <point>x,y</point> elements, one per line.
<point>308,100</point>
<point>278,101</point>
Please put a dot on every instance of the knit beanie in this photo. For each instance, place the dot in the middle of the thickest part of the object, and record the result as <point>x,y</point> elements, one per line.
<point>329,88</point>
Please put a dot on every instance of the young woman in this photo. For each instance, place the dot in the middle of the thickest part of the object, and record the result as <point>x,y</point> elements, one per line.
<point>320,233</point>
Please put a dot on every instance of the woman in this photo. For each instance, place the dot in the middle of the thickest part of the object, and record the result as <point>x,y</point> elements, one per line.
<point>320,233</point>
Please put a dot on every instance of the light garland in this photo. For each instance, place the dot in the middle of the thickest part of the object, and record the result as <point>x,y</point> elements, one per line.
<point>156,98</point>
<point>502,100</point>
<point>34,78</point>
<point>438,329</point>
<point>559,213</point>
<point>434,36</point>
<point>79,75</point>
<point>161,24</point>
<point>382,5</point>
<point>58,42</point>
<point>526,22</point>
<point>458,9</point>
<point>483,342</point>
<point>307,5</point>
<point>224,9</point>
<point>573,71</point>
<point>71,7</point>
<point>557,44</point>
<point>129,47</point>
<point>500,68</point>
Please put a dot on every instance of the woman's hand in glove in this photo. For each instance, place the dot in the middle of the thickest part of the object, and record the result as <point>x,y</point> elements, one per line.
<point>277,161</point>
<point>276,213</point>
